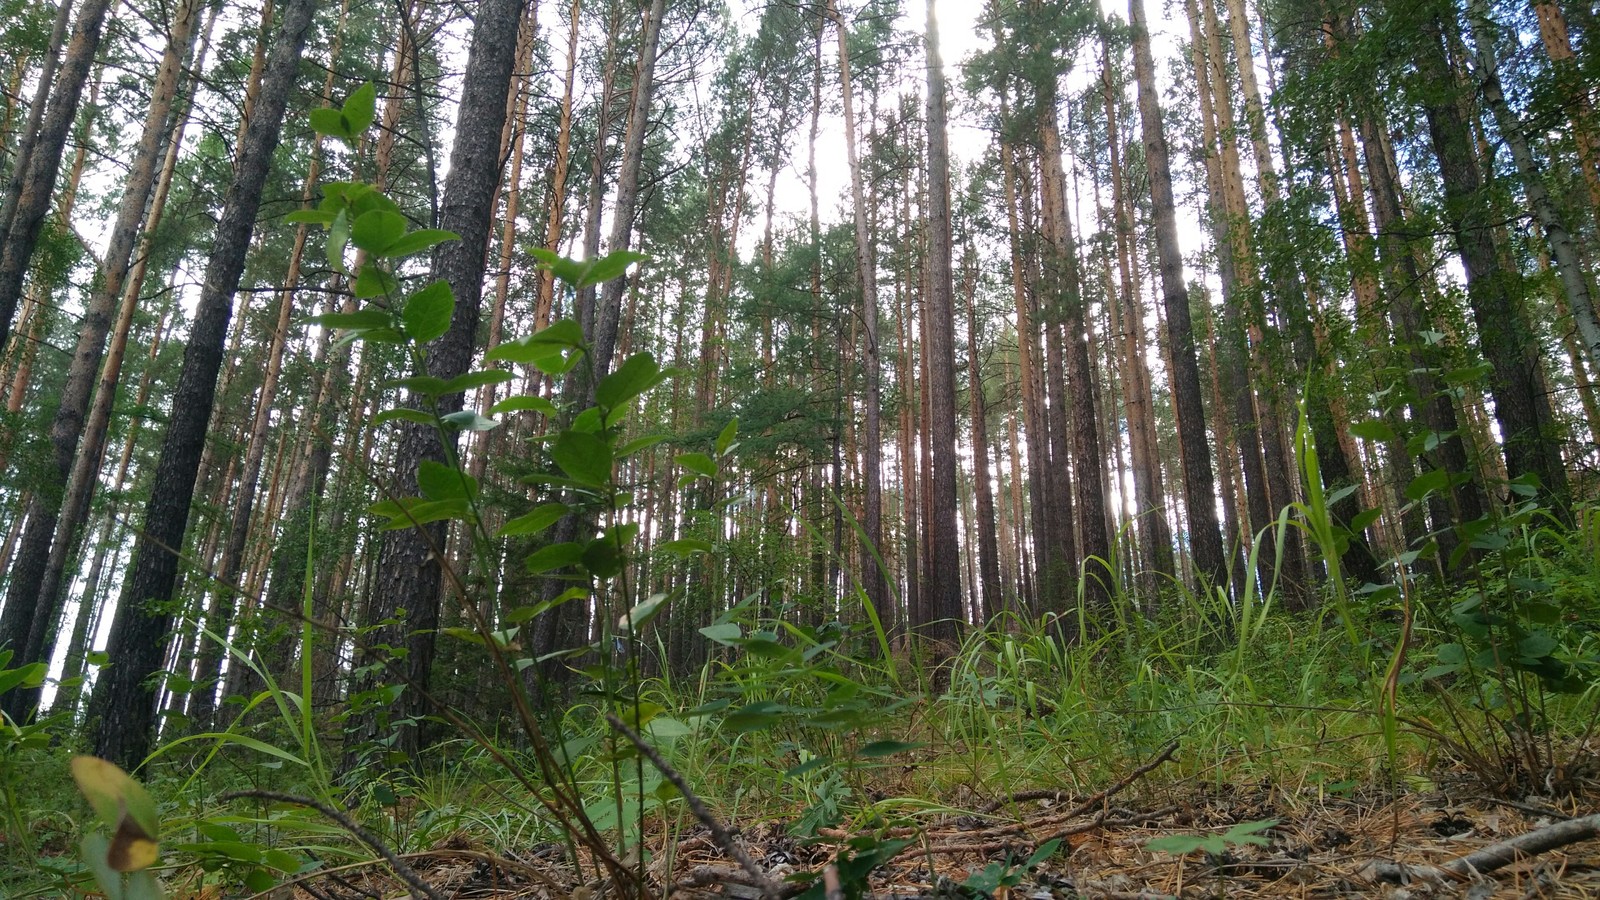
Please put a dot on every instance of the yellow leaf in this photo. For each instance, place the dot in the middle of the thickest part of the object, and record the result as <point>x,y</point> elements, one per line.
<point>123,805</point>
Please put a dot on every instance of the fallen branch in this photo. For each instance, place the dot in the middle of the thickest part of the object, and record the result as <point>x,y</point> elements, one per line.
<point>414,882</point>
<point>1054,796</point>
<point>1490,858</point>
<point>1121,785</point>
<point>769,888</point>
<point>707,876</point>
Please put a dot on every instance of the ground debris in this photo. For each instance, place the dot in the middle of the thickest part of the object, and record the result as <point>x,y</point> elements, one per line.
<point>1322,847</point>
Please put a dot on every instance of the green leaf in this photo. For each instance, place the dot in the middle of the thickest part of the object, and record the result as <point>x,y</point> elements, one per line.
<point>642,613</point>
<point>555,556</point>
<point>428,311</point>
<point>282,861</point>
<point>329,123</point>
<point>698,463</point>
<point>377,230</point>
<point>638,444</point>
<point>1249,833</point>
<point>477,379</point>
<point>360,320</point>
<point>584,457</point>
<point>260,880</point>
<point>427,385</point>
<point>725,439</point>
<point>441,482</point>
<point>1373,430</point>
<point>523,353</point>
<point>602,557</point>
<point>338,238</point>
<point>1183,844</point>
<point>612,265</point>
<point>310,217</point>
<point>1360,521</point>
<point>1537,645</point>
<point>360,108</point>
<point>727,633</point>
<point>469,420</point>
<point>565,332</point>
<point>418,241</point>
<point>519,404</point>
<point>1427,483</point>
<point>525,613</point>
<point>365,198</point>
<point>685,547</point>
<point>31,675</point>
<point>637,374</point>
<point>569,271</point>
<point>421,513</point>
<point>538,520</point>
<point>374,282</point>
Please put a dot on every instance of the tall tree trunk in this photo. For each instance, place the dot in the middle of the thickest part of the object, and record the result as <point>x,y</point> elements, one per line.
<point>988,545</point>
<point>601,323</point>
<point>1562,247</point>
<point>409,567</point>
<point>559,169</point>
<point>22,152</point>
<point>1044,546</point>
<point>1199,494</point>
<point>1574,93</point>
<point>122,707</point>
<point>21,222</point>
<point>1522,408</point>
<point>944,586</point>
<point>866,278</point>
<point>1155,536</point>
<point>1065,280</point>
<point>28,597</point>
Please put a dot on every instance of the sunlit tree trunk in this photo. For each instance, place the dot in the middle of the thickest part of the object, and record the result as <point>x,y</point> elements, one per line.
<point>122,706</point>
<point>866,277</point>
<point>944,586</point>
<point>987,544</point>
<point>1154,535</point>
<point>22,219</point>
<point>1204,536</point>
<point>410,564</point>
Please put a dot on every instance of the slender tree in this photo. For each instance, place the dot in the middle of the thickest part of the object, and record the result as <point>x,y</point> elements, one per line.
<point>122,707</point>
<point>1205,539</point>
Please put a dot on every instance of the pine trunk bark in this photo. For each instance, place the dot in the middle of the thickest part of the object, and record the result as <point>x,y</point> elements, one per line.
<point>944,586</point>
<point>1522,407</point>
<point>122,707</point>
<point>1205,538</point>
<point>866,278</point>
<point>410,567</point>
<point>21,222</point>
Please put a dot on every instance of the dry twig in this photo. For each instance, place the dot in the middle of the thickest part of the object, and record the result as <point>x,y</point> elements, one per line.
<point>1492,857</point>
<point>414,882</point>
<point>769,888</point>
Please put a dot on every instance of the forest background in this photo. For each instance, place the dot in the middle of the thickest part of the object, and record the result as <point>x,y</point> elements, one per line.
<point>385,380</point>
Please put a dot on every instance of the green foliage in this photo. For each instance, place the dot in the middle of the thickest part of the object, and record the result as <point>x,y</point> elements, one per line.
<point>1213,844</point>
<point>1008,874</point>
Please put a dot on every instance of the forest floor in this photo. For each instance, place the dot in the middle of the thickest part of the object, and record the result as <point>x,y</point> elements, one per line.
<point>1321,846</point>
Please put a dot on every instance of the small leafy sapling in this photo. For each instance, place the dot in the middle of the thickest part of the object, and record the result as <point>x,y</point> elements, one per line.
<point>997,877</point>
<point>1214,845</point>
